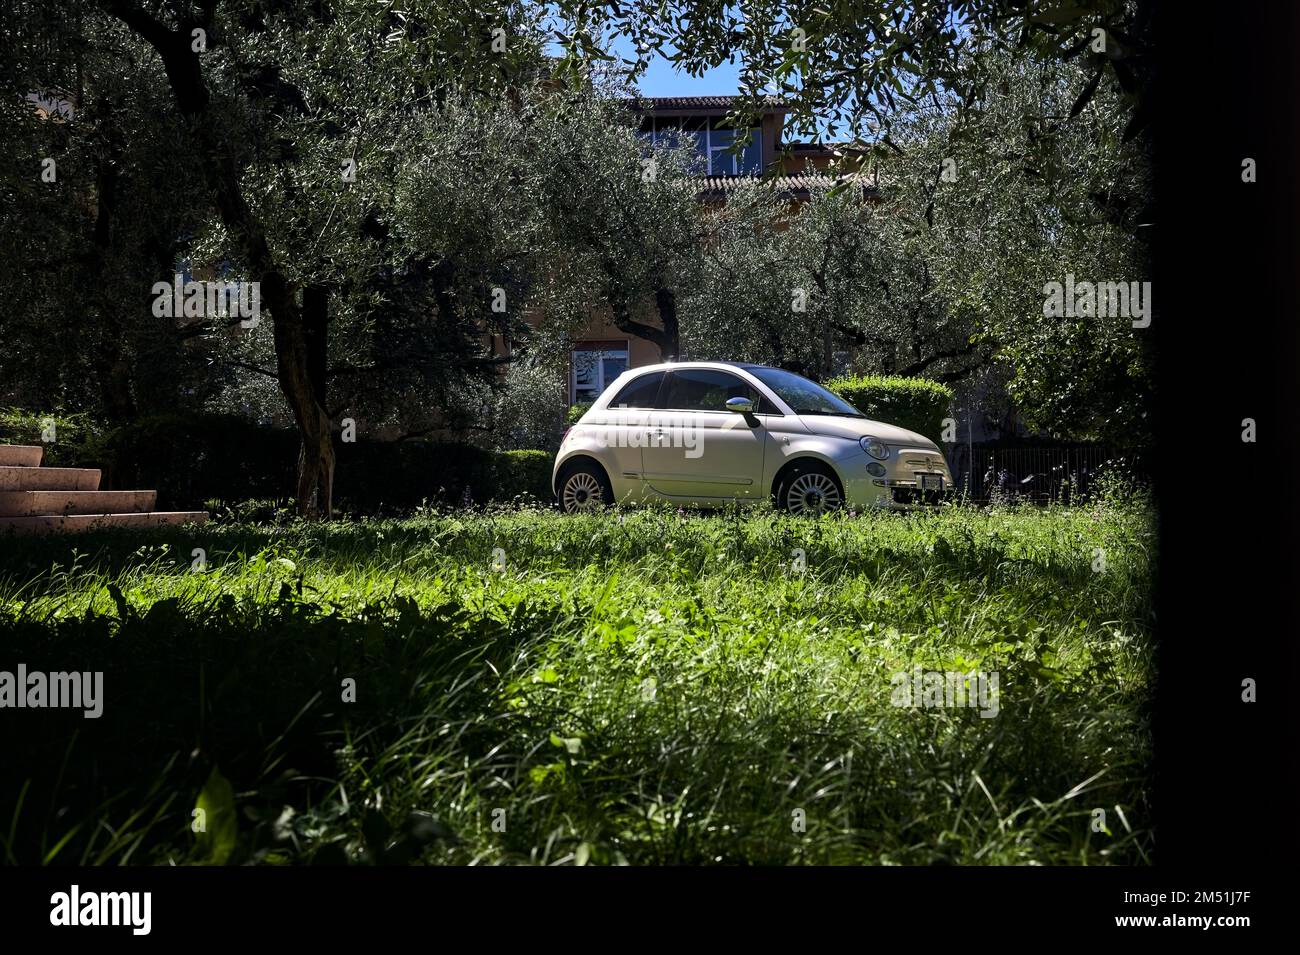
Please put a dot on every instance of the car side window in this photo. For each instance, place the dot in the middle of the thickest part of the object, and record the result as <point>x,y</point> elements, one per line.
<point>639,392</point>
<point>704,389</point>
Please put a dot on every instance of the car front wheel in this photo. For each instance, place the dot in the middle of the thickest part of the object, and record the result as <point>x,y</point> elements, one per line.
<point>584,487</point>
<point>809,490</point>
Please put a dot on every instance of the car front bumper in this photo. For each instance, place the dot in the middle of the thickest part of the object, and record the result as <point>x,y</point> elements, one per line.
<point>906,470</point>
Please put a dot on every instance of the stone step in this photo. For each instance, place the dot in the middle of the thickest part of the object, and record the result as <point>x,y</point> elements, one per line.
<point>78,523</point>
<point>40,503</point>
<point>22,478</point>
<point>21,455</point>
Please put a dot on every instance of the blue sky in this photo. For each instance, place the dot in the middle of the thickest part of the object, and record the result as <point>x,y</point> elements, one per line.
<point>663,79</point>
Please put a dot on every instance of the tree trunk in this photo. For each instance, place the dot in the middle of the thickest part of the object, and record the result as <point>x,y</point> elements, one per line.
<point>828,352</point>
<point>316,455</point>
<point>624,322</point>
<point>316,469</point>
<point>666,303</point>
<point>293,369</point>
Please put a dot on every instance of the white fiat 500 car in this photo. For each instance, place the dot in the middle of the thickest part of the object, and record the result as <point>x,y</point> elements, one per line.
<point>705,433</point>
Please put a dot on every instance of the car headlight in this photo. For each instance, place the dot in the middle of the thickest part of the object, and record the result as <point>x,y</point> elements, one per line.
<point>874,447</point>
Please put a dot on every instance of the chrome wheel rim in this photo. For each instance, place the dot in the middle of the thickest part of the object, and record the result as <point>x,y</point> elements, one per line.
<point>582,492</point>
<point>812,493</point>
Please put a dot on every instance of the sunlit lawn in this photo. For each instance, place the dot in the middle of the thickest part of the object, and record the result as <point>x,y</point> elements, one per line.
<point>642,687</point>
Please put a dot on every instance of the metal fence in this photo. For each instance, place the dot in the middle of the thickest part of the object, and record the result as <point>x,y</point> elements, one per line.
<point>1035,475</point>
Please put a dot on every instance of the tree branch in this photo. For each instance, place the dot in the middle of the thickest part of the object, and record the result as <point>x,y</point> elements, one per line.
<point>247,367</point>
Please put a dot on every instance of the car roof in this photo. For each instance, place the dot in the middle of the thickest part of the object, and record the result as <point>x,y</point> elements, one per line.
<point>665,366</point>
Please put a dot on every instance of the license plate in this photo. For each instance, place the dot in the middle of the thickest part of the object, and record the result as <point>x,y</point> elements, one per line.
<point>930,482</point>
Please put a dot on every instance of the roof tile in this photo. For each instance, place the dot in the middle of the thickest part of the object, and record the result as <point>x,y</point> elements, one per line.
<point>670,103</point>
<point>803,182</point>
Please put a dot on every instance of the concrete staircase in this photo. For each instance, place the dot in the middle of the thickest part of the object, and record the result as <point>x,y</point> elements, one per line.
<point>37,500</point>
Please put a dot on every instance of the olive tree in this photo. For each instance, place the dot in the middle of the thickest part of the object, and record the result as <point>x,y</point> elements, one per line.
<point>1023,191</point>
<point>298,97</point>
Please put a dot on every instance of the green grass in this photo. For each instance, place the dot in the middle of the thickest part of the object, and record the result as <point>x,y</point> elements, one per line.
<point>642,687</point>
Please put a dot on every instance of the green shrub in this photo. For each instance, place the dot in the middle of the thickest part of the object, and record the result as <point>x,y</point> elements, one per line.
<point>279,512</point>
<point>523,472</point>
<point>1118,483</point>
<point>577,411</point>
<point>917,404</point>
<point>530,410</point>
<point>195,460</point>
<point>191,458</point>
<point>380,477</point>
<point>75,437</point>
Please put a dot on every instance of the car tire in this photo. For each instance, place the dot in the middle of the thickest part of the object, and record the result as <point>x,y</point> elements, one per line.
<point>583,487</point>
<point>809,489</point>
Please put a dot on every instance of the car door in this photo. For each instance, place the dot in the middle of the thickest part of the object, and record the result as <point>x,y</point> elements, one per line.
<point>696,449</point>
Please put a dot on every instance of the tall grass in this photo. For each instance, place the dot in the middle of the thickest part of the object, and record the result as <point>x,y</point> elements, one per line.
<point>641,687</point>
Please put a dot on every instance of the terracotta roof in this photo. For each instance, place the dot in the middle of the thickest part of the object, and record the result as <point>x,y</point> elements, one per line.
<point>826,147</point>
<point>720,186</point>
<point>668,104</point>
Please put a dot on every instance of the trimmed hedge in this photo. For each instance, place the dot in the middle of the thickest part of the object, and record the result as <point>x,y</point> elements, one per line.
<point>917,404</point>
<point>195,459</point>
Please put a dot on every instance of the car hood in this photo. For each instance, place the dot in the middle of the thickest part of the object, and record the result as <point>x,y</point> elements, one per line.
<point>854,428</point>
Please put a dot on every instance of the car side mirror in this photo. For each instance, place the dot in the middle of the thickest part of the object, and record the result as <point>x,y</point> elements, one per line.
<point>740,405</point>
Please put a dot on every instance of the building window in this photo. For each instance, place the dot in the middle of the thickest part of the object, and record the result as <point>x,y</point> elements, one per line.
<point>695,133</point>
<point>751,158</point>
<point>593,370</point>
<point>668,131</point>
<point>711,140</point>
<point>721,161</point>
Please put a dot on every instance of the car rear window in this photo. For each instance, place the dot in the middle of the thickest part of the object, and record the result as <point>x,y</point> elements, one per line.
<point>639,392</point>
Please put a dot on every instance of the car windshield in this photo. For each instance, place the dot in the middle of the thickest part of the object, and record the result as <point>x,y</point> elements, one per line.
<point>802,395</point>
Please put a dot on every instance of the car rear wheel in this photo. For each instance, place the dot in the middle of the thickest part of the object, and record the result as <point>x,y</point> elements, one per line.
<point>584,487</point>
<point>808,490</point>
